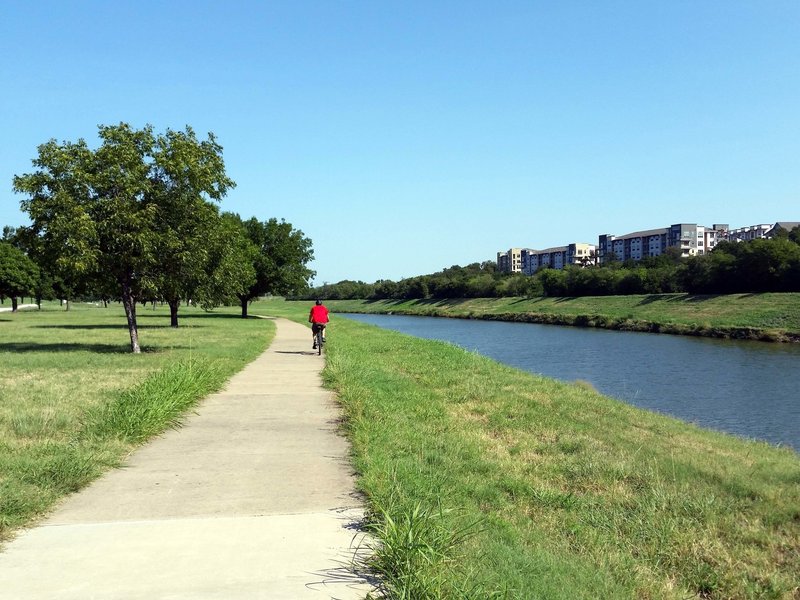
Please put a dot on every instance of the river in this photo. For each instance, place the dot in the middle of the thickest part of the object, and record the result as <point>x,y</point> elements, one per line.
<point>751,389</point>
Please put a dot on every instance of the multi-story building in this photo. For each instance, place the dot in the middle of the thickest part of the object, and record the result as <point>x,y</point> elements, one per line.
<point>781,226</point>
<point>557,258</point>
<point>690,238</point>
<point>633,246</point>
<point>752,232</point>
<point>510,261</point>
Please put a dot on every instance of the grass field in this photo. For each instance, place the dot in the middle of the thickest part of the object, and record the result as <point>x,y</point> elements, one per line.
<point>484,481</point>
<point>771,317</point>
<point>74,401</point>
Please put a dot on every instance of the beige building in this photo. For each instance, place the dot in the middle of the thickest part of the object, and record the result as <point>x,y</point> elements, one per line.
<point>510,261</point>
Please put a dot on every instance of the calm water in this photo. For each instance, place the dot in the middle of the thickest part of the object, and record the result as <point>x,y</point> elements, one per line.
<point>746,388</point>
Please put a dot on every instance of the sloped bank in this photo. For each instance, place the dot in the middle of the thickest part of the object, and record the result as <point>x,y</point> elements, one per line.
<point>487,482</point>
<point>763,317</point>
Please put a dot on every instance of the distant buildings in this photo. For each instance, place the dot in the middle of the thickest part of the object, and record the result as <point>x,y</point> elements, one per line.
<point>510,261</point>
<point>745,234</point>
<point>782,226</point>
<point>557,258</point>
<point>690,239</point>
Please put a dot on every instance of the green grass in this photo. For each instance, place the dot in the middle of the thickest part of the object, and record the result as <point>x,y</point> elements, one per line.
<point>484,481</point>
<point>74,401</point>
<point>770,317</point>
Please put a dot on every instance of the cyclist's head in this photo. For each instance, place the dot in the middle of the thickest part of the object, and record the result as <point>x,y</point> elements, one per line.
<point>319,302</point>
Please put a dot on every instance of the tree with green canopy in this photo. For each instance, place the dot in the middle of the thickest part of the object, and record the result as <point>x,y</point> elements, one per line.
<point>230,268</point>
<point>18,274</point>
<point>280,263</point>
<point>186,174</point>
<point>113,214</point>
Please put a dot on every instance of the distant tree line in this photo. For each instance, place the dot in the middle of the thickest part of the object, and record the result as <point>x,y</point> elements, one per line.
<point>763,265</point>
<point>136,220</point>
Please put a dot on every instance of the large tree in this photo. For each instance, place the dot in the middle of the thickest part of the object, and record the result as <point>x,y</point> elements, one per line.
<point>280,264</point>
<point>231,264</point>
<point>187,173</point>
<point>18,274</point>
<point>108,213</point>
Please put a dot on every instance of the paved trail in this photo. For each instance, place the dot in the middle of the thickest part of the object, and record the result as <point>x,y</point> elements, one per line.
<point>251,499</point>
<point>20,307</point>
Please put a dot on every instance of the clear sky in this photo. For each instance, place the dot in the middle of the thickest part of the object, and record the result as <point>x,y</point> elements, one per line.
<point>403,137</point>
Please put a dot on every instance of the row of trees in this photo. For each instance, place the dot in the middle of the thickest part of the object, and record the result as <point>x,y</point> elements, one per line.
<point>765,265</point>
<point>136,219</point>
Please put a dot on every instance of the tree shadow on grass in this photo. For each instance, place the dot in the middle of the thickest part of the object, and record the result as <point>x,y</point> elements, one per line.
<point>182,317</point>
<point>531,300</point>
<point>650,298</point>
<point>97,348</point>
<point>697,297</point>
<point>33,347</point>
<point>122,326</point>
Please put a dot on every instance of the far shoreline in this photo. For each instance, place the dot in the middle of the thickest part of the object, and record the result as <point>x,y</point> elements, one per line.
<point>748,317</point>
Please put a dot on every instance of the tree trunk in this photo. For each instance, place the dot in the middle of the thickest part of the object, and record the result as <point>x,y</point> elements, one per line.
<point>129,302</point>
<point>244,306</point>
<point>67,301</point>
<point>173,312</point>
<point>14,303</point>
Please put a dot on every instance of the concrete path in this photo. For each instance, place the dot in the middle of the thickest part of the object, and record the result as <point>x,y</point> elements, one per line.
<point>19,307</point>
<point>251,499</point>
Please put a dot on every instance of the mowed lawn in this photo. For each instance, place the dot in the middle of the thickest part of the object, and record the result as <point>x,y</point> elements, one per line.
<point>74,401</point>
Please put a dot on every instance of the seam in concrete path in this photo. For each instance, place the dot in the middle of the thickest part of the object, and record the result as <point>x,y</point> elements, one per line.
<point>253,498</point>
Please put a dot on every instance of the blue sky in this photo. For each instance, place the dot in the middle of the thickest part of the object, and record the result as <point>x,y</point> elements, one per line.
<point>405,137</point>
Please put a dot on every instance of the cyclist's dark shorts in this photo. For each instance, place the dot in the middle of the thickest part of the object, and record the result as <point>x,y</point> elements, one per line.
<point>315,327</point>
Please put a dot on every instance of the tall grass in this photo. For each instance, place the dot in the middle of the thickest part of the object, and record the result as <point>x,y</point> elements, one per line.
<point>157,403</point>
<point>576,495</point>
<point>74,401</point>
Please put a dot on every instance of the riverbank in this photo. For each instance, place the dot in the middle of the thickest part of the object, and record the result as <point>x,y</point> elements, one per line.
<point>764,317</point>
<point>484,481</point>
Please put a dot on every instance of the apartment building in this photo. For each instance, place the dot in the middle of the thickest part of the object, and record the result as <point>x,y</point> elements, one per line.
<point>782,226</point>
<point>510,261</point>
<point>558,257</point>
<point>690,238</point>
<point>751,232</point>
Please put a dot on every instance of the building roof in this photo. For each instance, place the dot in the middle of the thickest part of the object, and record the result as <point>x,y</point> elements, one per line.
<point>787,225</point>
<point>559,248</point>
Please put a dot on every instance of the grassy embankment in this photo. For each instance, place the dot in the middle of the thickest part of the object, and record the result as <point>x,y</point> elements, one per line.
<point>768,317</point>
<point>484,481</point>
<point>74,401</point>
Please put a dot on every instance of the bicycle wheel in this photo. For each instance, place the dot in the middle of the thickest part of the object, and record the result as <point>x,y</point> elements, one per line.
<point>319,340</point>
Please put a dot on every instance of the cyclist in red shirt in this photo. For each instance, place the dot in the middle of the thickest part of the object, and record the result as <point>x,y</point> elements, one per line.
<point>318,317</point>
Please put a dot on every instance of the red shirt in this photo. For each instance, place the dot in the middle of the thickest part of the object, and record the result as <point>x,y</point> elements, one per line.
<point>319,314</point>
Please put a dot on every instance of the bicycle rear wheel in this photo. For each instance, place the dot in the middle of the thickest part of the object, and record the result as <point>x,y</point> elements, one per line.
<point>319,340</point>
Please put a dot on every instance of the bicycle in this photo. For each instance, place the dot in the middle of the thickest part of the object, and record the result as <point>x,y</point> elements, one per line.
<point>319,336</point>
